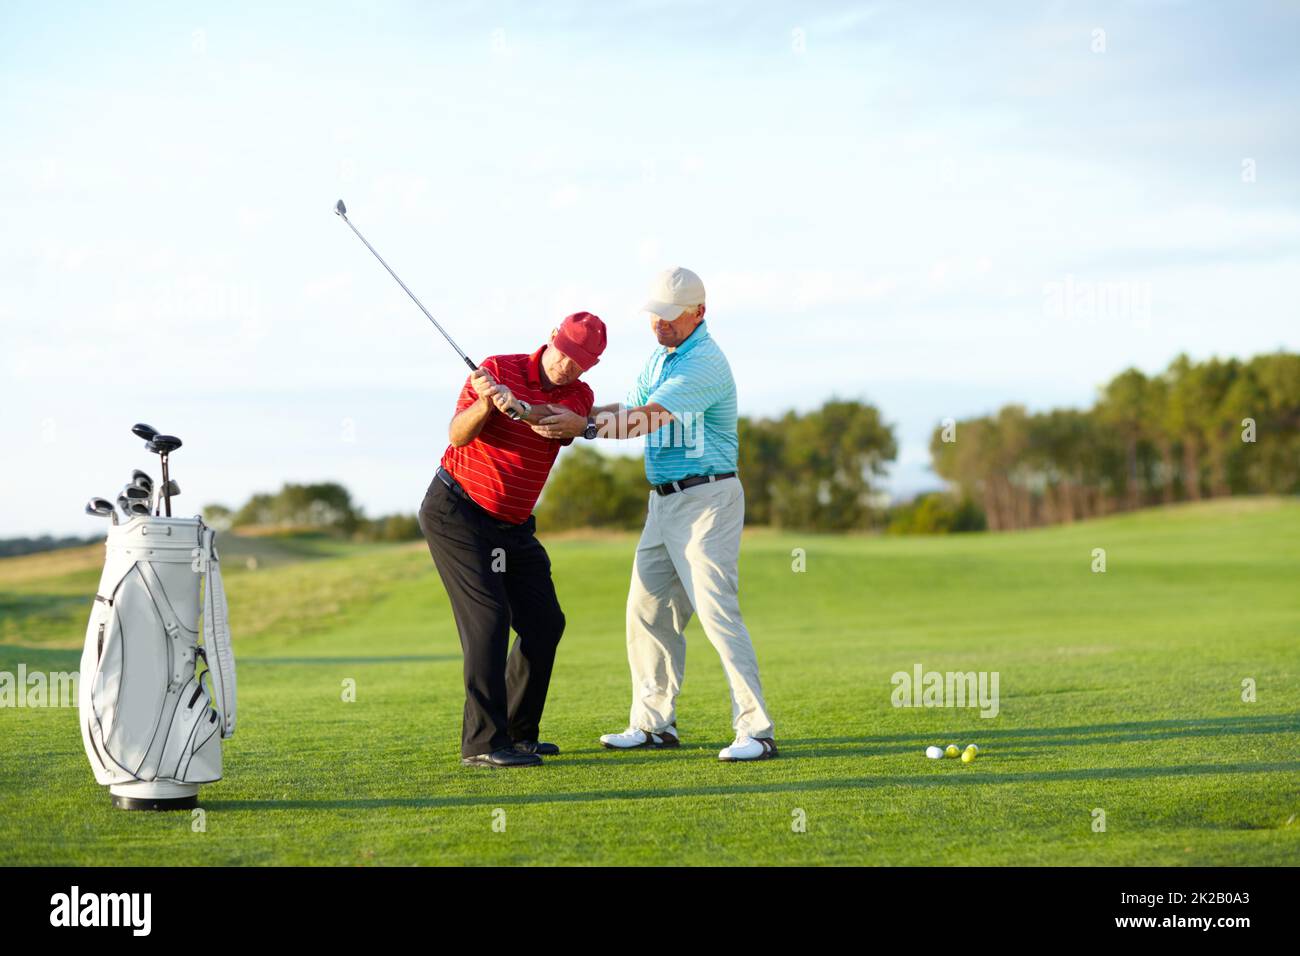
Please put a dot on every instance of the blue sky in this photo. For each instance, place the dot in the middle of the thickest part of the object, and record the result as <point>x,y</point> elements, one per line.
<point>907,205</point>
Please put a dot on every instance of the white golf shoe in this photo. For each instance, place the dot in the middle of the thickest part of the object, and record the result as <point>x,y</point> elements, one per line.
<point>748,748</point>
<point>632,738</point>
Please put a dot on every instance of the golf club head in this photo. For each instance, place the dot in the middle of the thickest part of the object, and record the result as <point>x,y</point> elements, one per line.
<point>141,480</point>
<point>125,504</point>
<point>146,486</point>
<point>99,507</point>
<point>144,431</point>
<point>135,493</point>
<point>340,209</point>
<point>139,508</point>
<point>172,489</point>
<point>164,444</point>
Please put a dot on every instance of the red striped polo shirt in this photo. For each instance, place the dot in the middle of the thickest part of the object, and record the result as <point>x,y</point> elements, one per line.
<point>504,468</point>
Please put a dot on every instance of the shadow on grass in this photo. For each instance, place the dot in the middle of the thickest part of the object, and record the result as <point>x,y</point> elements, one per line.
<point>798,786</point>
<point>391,659</point>
<point>1076,736</point>
<point>1005,743</point>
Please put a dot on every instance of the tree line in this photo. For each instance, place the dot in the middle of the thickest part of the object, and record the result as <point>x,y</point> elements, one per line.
<point>1194,431</point>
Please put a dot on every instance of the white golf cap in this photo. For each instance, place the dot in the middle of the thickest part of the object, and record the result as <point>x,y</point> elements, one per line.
<point>673,292</point>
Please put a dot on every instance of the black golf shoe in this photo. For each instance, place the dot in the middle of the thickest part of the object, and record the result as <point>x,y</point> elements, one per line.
<point>500,759</point>
<point>541,748</point>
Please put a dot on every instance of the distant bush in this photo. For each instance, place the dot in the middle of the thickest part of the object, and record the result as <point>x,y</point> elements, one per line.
<point>390,528</point>
<point>817,471</point>
<point>218,516</point>
<point>327,506</point>
<point>591,490</point>
<point>936,513</point>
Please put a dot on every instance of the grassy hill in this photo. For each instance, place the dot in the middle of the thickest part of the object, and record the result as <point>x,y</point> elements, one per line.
<point>1119,692</point>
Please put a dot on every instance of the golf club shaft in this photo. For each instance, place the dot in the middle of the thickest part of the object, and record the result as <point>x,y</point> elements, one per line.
<point>166,497</point>
<point>467,359</point>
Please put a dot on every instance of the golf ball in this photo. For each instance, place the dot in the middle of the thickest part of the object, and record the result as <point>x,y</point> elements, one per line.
<point>968,755</point>
<point>973,747</point>
<point>953,751</point>
<point>934,753</point>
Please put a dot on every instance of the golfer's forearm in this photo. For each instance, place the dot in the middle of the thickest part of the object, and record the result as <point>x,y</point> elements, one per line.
<point>466,425</point>
<point>536,413</point>
<point>611,421</point>
<point>615,421</point>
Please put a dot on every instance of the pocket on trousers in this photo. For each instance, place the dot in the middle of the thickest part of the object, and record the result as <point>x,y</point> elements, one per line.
<point>447,502</point>
<point>438,501</point>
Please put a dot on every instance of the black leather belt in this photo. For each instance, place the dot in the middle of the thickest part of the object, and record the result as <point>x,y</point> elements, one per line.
<point>445,477</point>
<point>690,481</point>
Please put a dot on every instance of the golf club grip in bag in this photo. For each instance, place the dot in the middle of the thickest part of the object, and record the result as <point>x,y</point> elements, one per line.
<point>145,715</point>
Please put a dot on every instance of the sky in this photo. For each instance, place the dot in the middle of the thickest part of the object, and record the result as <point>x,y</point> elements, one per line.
<point>934,208</point>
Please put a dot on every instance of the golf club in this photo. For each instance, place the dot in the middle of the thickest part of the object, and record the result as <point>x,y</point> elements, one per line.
<point>342,211</point>
<point>162,446</point>
<point>133,501</point>
<point>101,508</point>
<point>173,489</point>
<point>142,480</point>
<point>135,495</point>
<point>148,433</point>
<point>516,412</point>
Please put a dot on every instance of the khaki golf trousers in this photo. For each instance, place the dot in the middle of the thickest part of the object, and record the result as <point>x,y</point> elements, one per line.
<point>686,563</point>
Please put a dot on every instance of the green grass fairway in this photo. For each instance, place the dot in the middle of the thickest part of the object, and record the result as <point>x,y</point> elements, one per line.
<point>1120,692</point>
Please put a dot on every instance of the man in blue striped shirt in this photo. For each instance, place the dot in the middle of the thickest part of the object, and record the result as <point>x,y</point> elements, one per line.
<point>684,403</point>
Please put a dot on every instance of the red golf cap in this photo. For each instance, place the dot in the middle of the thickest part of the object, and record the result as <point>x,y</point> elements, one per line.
<point>581,337</point>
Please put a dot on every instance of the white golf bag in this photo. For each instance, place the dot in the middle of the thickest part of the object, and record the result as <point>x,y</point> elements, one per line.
<point>151,727</point>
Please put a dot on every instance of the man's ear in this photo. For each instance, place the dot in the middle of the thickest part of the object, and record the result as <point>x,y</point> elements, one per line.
<point>701,312</point>
<point>554,333</point>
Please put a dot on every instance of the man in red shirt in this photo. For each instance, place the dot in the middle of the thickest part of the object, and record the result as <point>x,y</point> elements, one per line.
<point>477,519</point>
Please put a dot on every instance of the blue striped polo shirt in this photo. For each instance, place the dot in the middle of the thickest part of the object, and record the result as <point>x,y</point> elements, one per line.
<point>692,381</point>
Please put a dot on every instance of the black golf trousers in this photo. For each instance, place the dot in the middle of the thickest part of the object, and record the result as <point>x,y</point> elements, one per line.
<point>498,576</point>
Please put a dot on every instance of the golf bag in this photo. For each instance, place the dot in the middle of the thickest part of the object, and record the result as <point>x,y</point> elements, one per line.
<point>151,727</point>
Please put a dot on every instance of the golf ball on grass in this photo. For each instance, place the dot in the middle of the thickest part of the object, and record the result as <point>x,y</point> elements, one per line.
<point>968,755</point>
<point>934,753</point>
<point>952,751</point>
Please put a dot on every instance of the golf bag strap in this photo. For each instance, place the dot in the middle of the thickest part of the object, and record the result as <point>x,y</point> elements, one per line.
<point>216,636</point>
